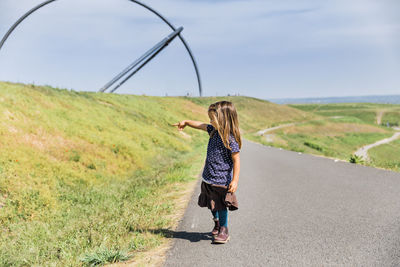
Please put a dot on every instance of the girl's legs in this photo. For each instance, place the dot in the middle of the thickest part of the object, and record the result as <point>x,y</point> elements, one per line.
<point>223,235</point>
<point>216,228</point>
<point>223,217</point>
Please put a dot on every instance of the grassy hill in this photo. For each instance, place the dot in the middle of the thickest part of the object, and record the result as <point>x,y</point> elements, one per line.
<point>86,171</point>
<point>91,178</point>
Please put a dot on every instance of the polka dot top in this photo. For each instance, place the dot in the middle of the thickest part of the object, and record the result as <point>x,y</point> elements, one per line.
<point>218,167</point>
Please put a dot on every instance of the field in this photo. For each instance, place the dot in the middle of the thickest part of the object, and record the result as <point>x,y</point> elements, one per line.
<point>386,156</point>
<point>334,140</point>
<point>339,130</point>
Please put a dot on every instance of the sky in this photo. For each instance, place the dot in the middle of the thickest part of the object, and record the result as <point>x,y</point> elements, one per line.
<point>259,48</point>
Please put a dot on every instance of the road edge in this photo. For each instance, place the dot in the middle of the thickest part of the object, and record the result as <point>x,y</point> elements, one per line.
<point>157,256</point>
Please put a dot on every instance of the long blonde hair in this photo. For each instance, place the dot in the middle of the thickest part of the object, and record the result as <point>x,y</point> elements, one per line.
<point>224,114</point>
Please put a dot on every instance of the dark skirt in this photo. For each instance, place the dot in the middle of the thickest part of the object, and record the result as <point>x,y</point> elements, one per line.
<point>217,197</point>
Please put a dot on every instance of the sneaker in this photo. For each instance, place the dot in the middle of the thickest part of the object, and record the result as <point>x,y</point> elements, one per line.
<point>222,236</point>
<point>215,231</point>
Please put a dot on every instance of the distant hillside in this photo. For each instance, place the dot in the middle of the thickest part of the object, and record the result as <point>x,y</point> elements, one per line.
<point>257,114</point>
<point>383,99</point>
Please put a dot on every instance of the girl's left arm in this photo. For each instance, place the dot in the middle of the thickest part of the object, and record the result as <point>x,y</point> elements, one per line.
<point>236,169</point>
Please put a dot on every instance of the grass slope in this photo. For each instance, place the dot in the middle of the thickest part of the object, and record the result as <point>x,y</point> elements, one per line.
<point>82,172</point>
<point>386,156</point>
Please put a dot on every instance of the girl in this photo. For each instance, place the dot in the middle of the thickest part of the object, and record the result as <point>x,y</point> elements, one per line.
<point>222,166</point>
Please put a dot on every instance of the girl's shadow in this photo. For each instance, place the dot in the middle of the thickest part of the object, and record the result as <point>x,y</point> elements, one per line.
<point>191,236</point>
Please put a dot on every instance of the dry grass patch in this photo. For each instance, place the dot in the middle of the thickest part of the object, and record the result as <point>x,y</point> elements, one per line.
<point>196,109</point>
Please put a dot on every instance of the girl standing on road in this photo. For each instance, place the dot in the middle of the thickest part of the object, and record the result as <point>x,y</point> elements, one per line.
<point>222,165</point>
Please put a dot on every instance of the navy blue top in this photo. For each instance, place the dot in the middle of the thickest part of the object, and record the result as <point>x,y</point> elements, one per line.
<point>218,168</point>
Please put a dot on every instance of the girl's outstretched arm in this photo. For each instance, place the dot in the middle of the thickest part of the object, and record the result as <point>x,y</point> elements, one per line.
<point>194,124</point>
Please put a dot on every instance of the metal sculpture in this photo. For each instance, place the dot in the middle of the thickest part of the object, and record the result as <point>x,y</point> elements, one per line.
<point>151,53</point>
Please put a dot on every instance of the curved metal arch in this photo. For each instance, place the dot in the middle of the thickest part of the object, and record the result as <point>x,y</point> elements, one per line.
<point>134,1</point>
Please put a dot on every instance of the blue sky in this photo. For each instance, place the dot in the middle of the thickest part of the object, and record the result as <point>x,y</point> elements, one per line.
<point>265,49</point>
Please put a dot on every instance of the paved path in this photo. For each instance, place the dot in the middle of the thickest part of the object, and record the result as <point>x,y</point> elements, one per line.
<point>298,210</point>
<point>262,132</point>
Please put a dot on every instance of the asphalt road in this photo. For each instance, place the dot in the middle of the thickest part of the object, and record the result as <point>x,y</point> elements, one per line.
<point>298,210</point>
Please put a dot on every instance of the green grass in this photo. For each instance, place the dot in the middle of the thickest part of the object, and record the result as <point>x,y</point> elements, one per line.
<point>393,118</point>
<point>341,146</point>
<point>356,159</point>
<point>347,119</point>
<point>105,255</point>
<point>327,107</point>
<point>342,106</point>
<point>358,112</point>
<point>81,171</point>
<point>325,138</point>
<point>386,156</point>
<point>313,146</point>
<point>364,116</point>
<point>113,214</point>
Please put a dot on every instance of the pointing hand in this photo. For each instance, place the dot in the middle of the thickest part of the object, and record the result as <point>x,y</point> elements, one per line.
<point>180,125</point>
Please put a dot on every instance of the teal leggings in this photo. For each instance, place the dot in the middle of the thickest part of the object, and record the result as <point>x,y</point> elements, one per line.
<point>222,215</point>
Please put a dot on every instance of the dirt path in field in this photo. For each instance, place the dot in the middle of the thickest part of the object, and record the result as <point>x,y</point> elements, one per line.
<point>379,116</point>
<point>262,132</point>
<point>363,151</point>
